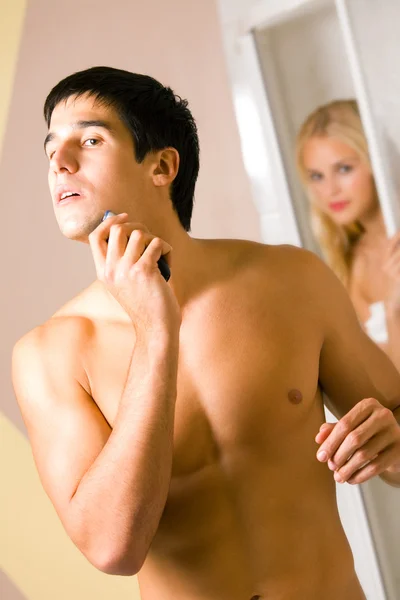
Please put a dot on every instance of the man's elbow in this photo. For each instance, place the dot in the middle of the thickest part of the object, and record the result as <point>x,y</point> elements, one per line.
<point>113,563</point>
<point>112,553</point>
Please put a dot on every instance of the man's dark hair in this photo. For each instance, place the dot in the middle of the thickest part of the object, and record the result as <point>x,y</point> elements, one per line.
<point>156,117</point>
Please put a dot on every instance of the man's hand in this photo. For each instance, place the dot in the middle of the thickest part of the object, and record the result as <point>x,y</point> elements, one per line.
<point>125,256</point>
<point>363,444</point>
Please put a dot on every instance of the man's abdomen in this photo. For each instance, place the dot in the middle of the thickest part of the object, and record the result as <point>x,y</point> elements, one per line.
<point>241,529</point>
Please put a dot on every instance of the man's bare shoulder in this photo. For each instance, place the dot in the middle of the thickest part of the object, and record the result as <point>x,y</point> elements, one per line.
<point>69,322</point>
<point>59,343</point>
<point>73,322</point>
<point>291,262</point>
<point>91,303</point>
<point>57,347</point>
<point>271,269</point>
<point>57,332</point>
<point>305,275</point>
<point>249,251</point>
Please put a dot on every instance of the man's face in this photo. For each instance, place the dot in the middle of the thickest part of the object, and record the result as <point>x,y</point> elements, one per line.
<point>91,154</point>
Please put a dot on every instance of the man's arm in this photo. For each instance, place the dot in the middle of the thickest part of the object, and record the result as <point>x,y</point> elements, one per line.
<point>361,383</point>
<point>109,487</point>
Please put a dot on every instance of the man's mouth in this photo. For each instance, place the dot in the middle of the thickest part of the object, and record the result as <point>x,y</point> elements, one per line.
<point>65,193</point>
<point>68,195</point>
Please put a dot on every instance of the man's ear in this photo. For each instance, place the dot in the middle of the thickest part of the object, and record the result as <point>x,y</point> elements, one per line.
<point>166,167</point>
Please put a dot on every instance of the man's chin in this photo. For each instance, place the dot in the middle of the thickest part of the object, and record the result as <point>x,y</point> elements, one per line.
<point>78,231</point>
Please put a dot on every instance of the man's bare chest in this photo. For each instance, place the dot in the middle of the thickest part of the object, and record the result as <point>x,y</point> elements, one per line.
<point>241,383</point>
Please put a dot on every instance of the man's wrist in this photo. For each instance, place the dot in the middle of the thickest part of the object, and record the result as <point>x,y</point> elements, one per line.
<point>392,479</point>
<point>158,342</point>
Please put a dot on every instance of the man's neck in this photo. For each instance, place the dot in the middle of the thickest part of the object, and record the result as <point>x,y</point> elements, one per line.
<point>190,270</point>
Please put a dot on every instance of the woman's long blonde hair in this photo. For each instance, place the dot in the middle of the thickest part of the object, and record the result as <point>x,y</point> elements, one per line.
<point>339,119</point>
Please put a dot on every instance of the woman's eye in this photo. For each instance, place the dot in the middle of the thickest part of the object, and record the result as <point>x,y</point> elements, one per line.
<point>345,168</point>
<point>315,176</point>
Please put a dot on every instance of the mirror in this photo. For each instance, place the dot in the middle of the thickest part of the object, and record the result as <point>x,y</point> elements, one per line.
<point>309,59</point>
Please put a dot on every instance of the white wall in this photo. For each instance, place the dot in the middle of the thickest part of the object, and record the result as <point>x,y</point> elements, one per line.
<point>376,31</point>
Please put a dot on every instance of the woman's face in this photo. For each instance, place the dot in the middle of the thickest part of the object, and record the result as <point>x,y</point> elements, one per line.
<point>340,181</point>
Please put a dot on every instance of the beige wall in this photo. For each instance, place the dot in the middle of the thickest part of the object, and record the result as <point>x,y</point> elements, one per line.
<point>178,42</point>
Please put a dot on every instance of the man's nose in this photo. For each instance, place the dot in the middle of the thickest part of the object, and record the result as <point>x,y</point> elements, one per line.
<point>63,159</point>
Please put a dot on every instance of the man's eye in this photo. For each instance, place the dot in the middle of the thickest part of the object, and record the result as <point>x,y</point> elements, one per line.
<point>90,142</point>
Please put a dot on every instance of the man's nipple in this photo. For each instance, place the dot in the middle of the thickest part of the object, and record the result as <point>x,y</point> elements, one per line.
<point>295,397</point>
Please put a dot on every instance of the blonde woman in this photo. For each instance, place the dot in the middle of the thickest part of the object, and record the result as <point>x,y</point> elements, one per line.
<point>334,166</point>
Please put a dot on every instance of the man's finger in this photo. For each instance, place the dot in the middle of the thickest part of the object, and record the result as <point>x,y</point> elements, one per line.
<point>98,240</point>
<point>355,440</point>
<point>368,452</point>
<point>375,467</point>
<point>117,242</point>
<point>139,240</point>
<point>324,431</point>
<point>155,250</point>
<point>357,415</point>
<point>122,237</point>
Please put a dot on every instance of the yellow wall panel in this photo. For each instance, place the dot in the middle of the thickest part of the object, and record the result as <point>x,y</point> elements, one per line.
<point>11,20</point>
<point>35,552</point>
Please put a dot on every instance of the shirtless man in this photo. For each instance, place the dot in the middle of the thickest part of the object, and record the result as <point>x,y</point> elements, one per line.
<point>174,425</point>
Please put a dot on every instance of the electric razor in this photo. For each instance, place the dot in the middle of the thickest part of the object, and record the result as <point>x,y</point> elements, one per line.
<point>162,263</point>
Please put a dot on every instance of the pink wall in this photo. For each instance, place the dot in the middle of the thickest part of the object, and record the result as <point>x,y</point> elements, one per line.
<point>178,42</point>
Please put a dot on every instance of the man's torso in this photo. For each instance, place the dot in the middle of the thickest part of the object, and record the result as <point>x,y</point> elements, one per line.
<point>250,510</point>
